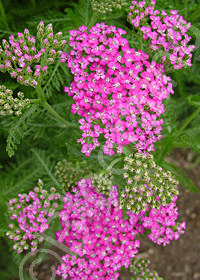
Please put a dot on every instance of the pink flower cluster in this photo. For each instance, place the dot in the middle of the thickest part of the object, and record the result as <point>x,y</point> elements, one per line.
<point>20,56</point>
<point>30,214</point>
<point>116,90</point>
<point>93,228</point>
<point>139,10</point>
<point>162,224</point>
<point>166,32</point>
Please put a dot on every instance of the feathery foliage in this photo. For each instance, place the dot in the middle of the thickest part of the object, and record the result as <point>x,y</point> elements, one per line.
<point>36,140</point>
<point>17,130</point>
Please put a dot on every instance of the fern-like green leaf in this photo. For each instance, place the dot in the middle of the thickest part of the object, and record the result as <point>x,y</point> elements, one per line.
<point>81,13</point>
<point>181,176</point>
<point>16,132</point>
<point>194,100</point>
<point>56,79</point>
<point>184,141</point>
<point>24,182</point>
<point>44,160</point>
<point>3,231</point>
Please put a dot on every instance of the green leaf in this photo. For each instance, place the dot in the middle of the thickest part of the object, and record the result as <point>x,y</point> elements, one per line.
<point>181,176</point>
<point>25,181</point>
<point>185,142</point>
<point>167,146</point>
<point>81,13</point>
<point>16,132</point>
<point>3,231</point>
<point>46,163</point>
<point>194,100</point>
<point>56,78</point>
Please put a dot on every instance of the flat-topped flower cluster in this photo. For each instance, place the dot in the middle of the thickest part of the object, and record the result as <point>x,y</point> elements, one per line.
<point>29,214</point>
<point>117,91</point>
<point>162,225</point>
<point>94,229</point>
<point>167,33</point>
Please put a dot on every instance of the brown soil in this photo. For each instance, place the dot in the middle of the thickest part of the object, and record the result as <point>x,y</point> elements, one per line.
<point>178,261</point>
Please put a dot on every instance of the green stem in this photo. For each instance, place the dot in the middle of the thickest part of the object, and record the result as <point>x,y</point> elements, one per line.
<point>3,15</point>
<point>113,163</point>
<point>92,21</point>
<point>33,3</point>
<point>48,107</point>
<point>34,100</point>
<point>140,40</point>
<point>186,8</point>
<point>40,94</point>
<point>185,124</point>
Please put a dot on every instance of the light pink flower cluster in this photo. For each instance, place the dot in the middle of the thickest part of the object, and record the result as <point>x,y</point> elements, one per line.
<point>116,90</point>
<point>30,214</point>
<point>93,228</point>
<point>166,32</point>
<point>162,223</point>
<point>21,58</point>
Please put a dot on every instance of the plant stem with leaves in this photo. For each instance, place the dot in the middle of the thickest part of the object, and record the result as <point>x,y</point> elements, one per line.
<point>3,16</point>
<point>178,132</point>
<point>42,101</point>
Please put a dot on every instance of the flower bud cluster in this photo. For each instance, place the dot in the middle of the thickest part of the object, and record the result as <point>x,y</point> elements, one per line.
<point>25,60</point>
<point>147,184</point>
<point>30,213</point>
<point>103,7</point>
<point>165,32</point>
<point>117,91</point>
<point>141,272</point>
<point>103,182</point>
<point>9,105</point>
<point>162,223</point>
<point>69,174</point>
<point>94,229</point>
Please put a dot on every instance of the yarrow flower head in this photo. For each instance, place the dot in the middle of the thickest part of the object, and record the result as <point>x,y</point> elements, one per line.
<point>69,174</point>
<point>103,182</point>
<point>26,58</point>
<point>10,105</point>
<point>103,7</point>
<point>165,32</point>
<point>162,223</point>
<point>147,185</point>
<point>30,213</point>
<point>93,227</point>
<point>103,241</point>
<point>117,91</point>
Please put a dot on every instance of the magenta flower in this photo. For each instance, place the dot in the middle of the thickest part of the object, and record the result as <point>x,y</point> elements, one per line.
<point>103,245</point>
<point>167,32</point>
<point>116,88</point>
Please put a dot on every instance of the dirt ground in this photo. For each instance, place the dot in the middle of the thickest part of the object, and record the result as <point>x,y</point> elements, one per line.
<point>178,261</point>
